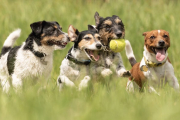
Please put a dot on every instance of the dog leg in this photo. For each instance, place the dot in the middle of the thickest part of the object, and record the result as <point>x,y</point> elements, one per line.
<point>123,73</point>
<point>173,82</point>
<point>130,86</point>
<point>151,89</point>
<point>16,82</point>
<point>5,84</point>
<point>171,78</point>
<point>64,80</point>
<point>84,83</point>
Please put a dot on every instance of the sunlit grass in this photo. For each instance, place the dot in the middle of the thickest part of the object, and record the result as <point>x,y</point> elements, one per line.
<point>43,100</point>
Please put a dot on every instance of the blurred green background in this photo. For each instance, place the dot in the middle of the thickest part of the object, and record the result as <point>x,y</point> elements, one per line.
<point>112,102</point>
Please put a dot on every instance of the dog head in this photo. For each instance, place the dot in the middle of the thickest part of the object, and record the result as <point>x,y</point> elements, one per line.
<point>87,41</point>
<point>49,34</point>
<point>157,42</point>
<point>109,28</point>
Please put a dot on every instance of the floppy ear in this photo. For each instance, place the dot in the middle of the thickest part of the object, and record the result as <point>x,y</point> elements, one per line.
<point>97,18</point>
<point>73,33</point>
<point>92,28</point>
<point>144,34</point>
<point>37,27</point>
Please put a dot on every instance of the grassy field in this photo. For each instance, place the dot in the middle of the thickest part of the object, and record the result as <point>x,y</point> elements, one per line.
<point>104,103</point>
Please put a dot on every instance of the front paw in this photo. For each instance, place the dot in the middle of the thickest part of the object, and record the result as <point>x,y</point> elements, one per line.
<point>124,73</point>
<point>84,82</point>
<point>106,72</point>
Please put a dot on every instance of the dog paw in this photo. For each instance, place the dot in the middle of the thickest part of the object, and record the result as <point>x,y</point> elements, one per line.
<point>123,73</point>
<point>106,72</point>
<point>84,82</point>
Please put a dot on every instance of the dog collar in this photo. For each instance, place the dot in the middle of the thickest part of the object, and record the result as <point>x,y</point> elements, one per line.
<point>153,64</point>
<point>41,56</point>
<point>71,58</point>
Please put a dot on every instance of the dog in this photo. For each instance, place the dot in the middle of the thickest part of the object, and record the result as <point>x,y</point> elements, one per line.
<point>111,28</point>
<point>78,60</point>
<point>155,68</point>
<point>34,58</point>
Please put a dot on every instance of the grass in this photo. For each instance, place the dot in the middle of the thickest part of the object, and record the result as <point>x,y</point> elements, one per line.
<point>104,102</point>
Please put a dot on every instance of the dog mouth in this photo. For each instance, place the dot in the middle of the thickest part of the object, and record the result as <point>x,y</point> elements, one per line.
<point>93,54</point>
<point>58,43</point>
<point>160,53</point>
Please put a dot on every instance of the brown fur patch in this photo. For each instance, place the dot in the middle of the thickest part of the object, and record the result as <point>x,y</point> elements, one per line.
<point>55,26</point>
<point>105,35</point>
<point>137,75</point>
<point>117,20</point>
<point>53,38</point>
<point>109,22</point>
<point>153,37</point>
<point>85,42</point>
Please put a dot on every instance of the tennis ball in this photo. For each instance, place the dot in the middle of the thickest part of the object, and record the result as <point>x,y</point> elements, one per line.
<point>117,45</point>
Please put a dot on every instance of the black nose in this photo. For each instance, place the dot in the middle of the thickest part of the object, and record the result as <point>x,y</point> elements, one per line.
<point>119,34</point>
<point>161,43</point>
<point>98,46</point>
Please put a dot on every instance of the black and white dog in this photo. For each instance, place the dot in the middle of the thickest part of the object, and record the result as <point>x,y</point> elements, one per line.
<point>34,57</point>
<point>111,28</point>
<point>77,62</point>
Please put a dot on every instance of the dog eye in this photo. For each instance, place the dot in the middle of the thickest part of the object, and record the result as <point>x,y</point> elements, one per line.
<point>108,27</point>
<point>152,37</point>
<point>98,38</point>
<point>87,38</point>
<point>165,36</point>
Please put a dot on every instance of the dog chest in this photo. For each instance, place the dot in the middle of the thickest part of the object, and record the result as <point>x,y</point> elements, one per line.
<point>27,64</point>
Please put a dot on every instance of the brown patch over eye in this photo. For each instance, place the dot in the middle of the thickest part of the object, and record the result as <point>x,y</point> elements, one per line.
<point>165,36</point>
<point>87,40</point>
<point>108,22</point>
<point>45,40</point>
<point>117,20</point>
<point>97,36</point>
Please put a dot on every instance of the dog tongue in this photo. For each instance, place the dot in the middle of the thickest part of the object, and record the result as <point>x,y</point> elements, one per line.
<point>160,54</point>
<point>95,56</point>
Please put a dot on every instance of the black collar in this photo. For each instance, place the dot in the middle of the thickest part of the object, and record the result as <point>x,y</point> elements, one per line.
<point>38,54</point>
<point>71,58</point>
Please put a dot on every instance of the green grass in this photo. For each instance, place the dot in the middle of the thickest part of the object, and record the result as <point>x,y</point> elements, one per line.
<point>103,103</point>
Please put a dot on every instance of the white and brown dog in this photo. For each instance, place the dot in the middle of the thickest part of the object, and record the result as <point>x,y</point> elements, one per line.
<point>34,58</point>
<point>155,67</point>
<point>78,60</point>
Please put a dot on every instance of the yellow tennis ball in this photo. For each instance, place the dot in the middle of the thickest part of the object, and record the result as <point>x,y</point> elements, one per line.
<point>117,45</point>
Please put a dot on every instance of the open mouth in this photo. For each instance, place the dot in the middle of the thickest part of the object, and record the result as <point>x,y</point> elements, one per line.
<point>61,44</point>
<point>58,43</point>
<point>160,53</point>
<point>93,54</point>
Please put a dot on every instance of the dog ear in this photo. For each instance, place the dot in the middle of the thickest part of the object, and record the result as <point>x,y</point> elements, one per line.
<point>97,18</point>
<point>37,27</point>
<point>144,34</point>
<point>92,28</point>
<point>72,33</point>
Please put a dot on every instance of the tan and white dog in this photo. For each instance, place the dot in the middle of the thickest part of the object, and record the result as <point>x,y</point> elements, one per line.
<point>155,67</point>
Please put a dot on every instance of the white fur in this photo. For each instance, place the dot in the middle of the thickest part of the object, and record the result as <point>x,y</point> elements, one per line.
<point>9,42</point>
<point>128,49</point>
<point>159,31</point>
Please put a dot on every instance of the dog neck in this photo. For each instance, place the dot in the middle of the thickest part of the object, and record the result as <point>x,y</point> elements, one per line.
<point>152,57</point>
<point>78,54</point>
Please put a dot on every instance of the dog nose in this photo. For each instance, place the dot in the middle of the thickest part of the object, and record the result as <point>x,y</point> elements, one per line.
<point>119,34</point>
<point>98,46</point>
<point>161,43</point>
